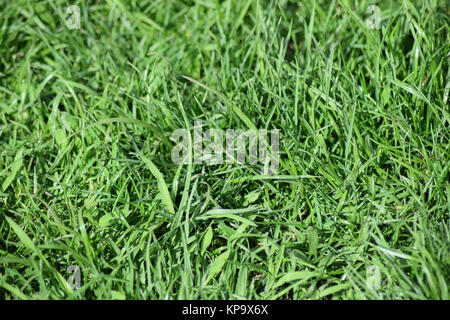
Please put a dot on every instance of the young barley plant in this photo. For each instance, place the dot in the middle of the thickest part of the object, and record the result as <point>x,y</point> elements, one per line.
<point>92,205</point>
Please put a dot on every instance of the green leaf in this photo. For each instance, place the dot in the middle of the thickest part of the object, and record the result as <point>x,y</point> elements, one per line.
<point>217,265</point>
<point>294,276</point>
<point>207,238</point>
<point>334,289</point>
<point>235,108</point>
<point>22,236</point>
<point>18,160</point>
<point>15,291</point>
<point>251,197</point>
<point>385,96</point>
<point>61,138</point>
<point>230,214</point>
<point>165,195</point>
<point>104,220</point>
<point>313,241</point>
<point>116,295</point>
<point>410,89</point>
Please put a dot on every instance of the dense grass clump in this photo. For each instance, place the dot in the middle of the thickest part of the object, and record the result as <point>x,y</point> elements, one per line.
<point>359,208</point>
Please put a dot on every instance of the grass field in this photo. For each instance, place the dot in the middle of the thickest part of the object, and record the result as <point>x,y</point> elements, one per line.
<point>93,207</point>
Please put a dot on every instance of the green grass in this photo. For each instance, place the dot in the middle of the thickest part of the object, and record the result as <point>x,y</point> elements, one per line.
<point>86,176</point>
